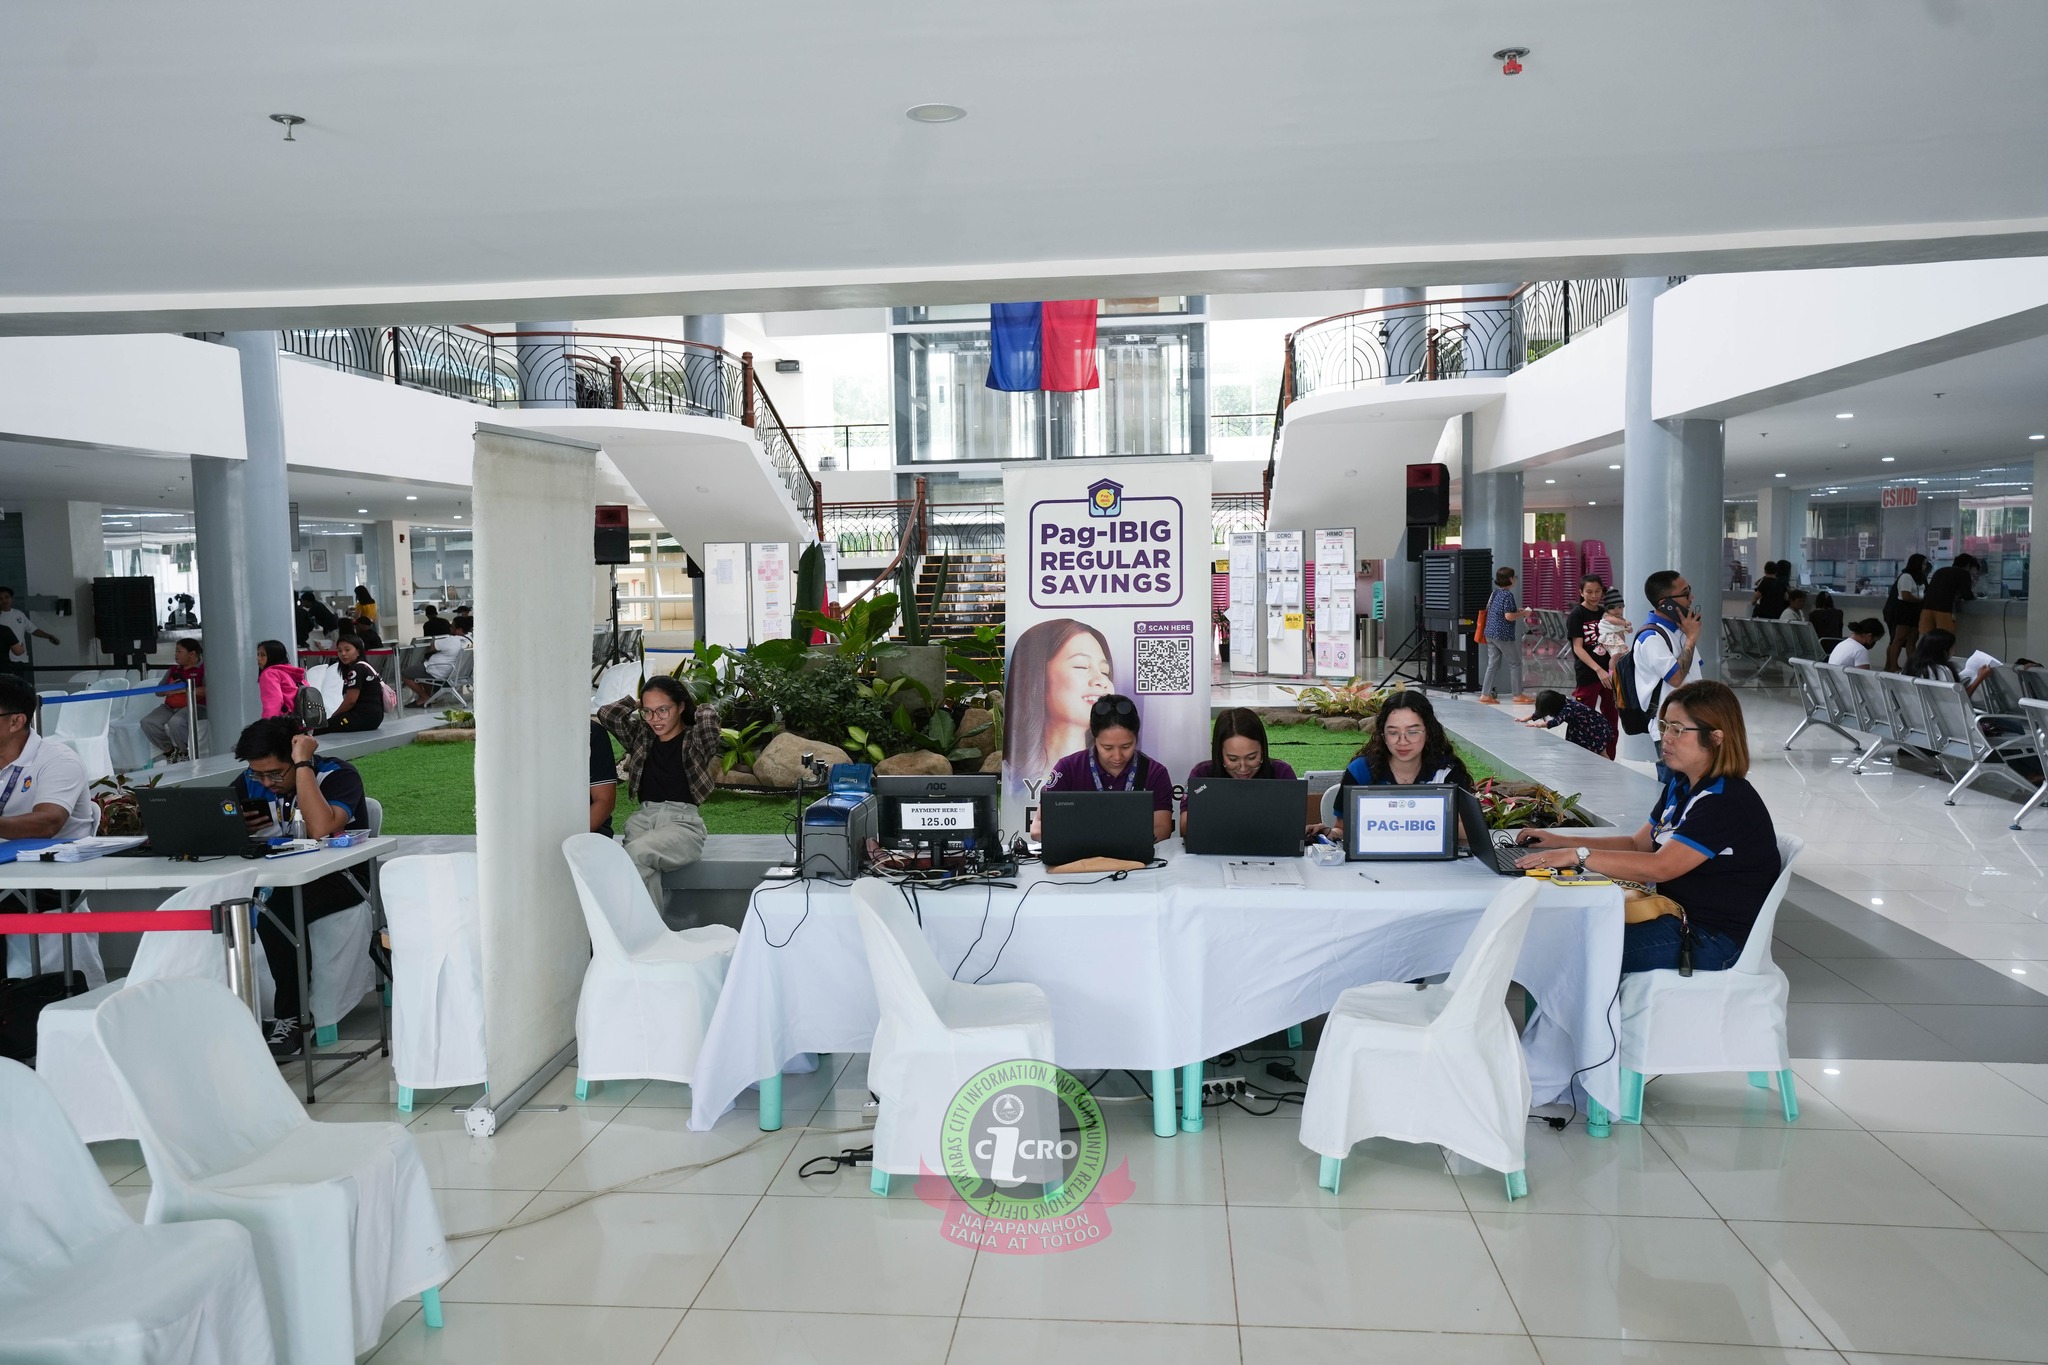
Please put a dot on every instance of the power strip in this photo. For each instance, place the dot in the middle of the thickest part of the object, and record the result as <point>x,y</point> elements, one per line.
<point>1225,1087</point>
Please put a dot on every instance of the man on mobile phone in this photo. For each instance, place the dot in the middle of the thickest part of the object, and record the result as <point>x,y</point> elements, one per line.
<point>1667,647</point>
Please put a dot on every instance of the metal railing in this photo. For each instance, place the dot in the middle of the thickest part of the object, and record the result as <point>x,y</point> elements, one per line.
<point>1230,512</point>
<point>964,528</point>
<point>867,528</point>
<point>910,546</point>
<point>830,445</point>
<point>549,369</point>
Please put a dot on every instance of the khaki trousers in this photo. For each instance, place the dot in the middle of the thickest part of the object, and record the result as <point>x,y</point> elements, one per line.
<point>661,836</point>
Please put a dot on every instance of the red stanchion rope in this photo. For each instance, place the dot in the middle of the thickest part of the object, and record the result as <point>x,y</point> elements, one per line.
<point>108,922</point>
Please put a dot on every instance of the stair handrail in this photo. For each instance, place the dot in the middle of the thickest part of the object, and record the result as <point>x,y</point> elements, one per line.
<point>781,447</point>
<point>912,541</point>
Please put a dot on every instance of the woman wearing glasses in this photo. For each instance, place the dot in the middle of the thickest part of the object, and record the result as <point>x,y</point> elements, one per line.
<point>1408,746</point>
<point>1709,847</point>
<point>671,767</point>
<point>1112,762</point>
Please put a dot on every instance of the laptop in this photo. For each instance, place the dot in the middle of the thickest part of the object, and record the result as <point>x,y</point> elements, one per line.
<point>1246,817</point>
<point>1076,825</point>
<point>195,822</point>
<point>1479,839</point>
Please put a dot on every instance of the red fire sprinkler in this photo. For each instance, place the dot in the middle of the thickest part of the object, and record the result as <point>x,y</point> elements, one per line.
<point>1510,59</point>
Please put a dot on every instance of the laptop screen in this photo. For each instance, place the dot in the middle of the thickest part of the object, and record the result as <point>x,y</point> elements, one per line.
<point>1397,823</point>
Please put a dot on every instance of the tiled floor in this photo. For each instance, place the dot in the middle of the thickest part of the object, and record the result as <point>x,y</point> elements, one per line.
<point>1903,1218</point>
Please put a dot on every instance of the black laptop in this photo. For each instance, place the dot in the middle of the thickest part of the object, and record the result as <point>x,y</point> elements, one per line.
<point>195,822</point>
<point>1247,817</point>
<point>1479,839</point>
<point>1076,825</point>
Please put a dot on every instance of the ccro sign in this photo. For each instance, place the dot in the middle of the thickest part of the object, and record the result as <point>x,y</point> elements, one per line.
<point>1908,496</point>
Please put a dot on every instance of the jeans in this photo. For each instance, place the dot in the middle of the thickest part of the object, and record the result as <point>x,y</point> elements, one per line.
<point>1505,659</point>
<point>661,836</point>
<point>1653,946</point>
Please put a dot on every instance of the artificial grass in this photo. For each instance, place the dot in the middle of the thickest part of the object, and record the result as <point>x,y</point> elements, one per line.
<point>1311,748</point>
<point>431,789</point>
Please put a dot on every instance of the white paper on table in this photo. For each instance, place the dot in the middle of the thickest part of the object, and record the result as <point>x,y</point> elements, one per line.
<point>1247,876</point>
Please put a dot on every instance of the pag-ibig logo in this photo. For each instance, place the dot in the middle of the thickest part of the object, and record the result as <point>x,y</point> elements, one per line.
<point>1105,498</point>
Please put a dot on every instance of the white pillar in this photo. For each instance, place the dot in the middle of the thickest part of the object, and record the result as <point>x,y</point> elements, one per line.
<point>225,624</point>
<point>1648,452</point>
<point>63,550</point>
<point>266,526</point>
<point>533,498</point>
<point>1696,522</point>
<point>389,544</point>
<point>2037,582</point>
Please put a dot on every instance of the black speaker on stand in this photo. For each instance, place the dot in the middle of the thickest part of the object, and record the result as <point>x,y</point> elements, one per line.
<point>1455,587</point>
<point>124,619</point>
<point>612,544</point>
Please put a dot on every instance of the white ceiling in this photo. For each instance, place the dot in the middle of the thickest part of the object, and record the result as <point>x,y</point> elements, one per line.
<point>649,157</point>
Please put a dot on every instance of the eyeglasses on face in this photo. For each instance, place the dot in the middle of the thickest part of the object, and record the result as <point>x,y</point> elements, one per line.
<point>1661,728</point>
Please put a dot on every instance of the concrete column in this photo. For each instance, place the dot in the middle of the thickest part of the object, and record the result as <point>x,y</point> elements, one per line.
<point>62,550</point>
<point>227,627</point>
<point>546,378</point>
<point>389,546</point>
<point>1696,521</point>
<point>1781,526</point>
<point>2037,594</point>
<point>706,388</point>
<point>1648,454</point>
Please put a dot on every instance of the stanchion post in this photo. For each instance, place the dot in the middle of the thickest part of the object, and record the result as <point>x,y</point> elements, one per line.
<point>232,919</point>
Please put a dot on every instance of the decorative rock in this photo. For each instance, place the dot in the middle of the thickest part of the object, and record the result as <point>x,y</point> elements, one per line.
<point>1339,723</point>
<point>973,717</point>
<point>916,763</point>
<point>780,763</point>
<point>992,764</point>
<point>1282,715</point>
<point>743,778</point>
<point>445,735</point>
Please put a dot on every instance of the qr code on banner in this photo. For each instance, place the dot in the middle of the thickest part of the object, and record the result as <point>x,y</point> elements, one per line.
<point>1166,665</point>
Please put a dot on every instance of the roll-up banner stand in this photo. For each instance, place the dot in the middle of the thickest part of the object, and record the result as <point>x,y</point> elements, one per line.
<point>725,594</point>
<point>1286,609</point>
<point>771,589</point>
<point>1336,605</point>
<point>1110,595</point>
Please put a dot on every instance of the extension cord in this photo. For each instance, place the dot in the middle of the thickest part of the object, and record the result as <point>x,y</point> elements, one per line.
<point>1225,1087</point>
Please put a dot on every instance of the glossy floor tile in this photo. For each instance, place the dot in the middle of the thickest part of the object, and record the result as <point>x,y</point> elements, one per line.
<point>755,1338</point>
<point>842,1256</point>
<point>1152,1264</point>
<point>1811,1176</point>
<point>532,1334</point>
<point>1406,1270</point>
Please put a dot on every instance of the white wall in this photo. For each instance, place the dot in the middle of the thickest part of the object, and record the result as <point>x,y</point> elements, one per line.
<point>1565,404</point>
<point>1597,523</point>
<point>150,393</point>
<point>350,423</point>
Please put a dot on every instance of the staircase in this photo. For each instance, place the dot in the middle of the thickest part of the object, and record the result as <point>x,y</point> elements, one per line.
<point>974,595</point>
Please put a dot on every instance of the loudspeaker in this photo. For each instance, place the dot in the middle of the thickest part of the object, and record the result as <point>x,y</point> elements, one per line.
<point>124,614</point>
<point>1429,495</point>
<point>1455,587</point>
<point>613,542</point>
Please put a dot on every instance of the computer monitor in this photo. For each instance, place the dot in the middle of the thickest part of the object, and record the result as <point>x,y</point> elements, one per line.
<point>1247,817</point>
<point>1400,824</point>
<point>958,809</point>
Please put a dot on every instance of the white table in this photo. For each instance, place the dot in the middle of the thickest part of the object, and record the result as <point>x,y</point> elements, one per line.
<point>1165,967</point>
<point>170,874</point>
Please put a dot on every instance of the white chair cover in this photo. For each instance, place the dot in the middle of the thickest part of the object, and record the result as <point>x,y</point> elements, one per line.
<point>934,1033</point>
<point>82,727</point>
<point>1731,1020</point>
<point>1443,1064</point>
<point>649,991</point>
<point>437,974</point>
<point>68,1054</point>
<point>82,1284</point>
<point>342,1215</point>
<point>618,682</point>
<point>338,954</point>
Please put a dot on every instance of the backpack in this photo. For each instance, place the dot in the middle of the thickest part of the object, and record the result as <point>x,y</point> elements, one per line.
<point>309,708</point>
<point>1635,720</point>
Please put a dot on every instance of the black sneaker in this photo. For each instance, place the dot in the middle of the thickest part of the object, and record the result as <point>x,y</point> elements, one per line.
<point>284,1038</point>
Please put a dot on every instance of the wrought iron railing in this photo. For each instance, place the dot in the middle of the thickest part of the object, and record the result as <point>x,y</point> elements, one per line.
<point>867,528</point>
<point>1227,425</point>
<point>965,528</point>
<point>571,370</point>
<point>1554,311</point>
<point>910,548</point>
<point>1230,512</point>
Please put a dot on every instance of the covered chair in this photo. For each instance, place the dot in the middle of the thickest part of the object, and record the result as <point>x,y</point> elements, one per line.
<point>82,725</point>
<point>338,952</point>
<point>342,1216</point>
<point>68,1053</point>
<point>81,1282</point>
<point>935,1033</point>
<point>649,991</point>
<point>437,973</point>
<point>1442,1064</point>
<point>1732,1020</point>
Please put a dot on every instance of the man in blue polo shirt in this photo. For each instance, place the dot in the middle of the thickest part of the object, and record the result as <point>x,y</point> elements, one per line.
<point>287,780</point>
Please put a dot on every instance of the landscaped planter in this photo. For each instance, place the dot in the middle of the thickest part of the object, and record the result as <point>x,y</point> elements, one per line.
<point>925,664</point>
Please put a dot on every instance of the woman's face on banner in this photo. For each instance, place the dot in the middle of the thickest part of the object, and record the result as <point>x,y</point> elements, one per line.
<point>1078,675</point>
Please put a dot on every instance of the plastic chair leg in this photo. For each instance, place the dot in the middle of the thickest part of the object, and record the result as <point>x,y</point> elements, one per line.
<point>430,1305</point>
<point>1787,1097</point>
<point>1518,1185</point>
<point>583,1089</point>
<point>1294,1039</point>
<point>1596,1118</point>
<point>326,1035</point>
<point>771,1103</point>
<point>1332,1173</point>
<point>878,1182</point>
<point>1163,1124</point>
<point>1191,1098</point>
<point>1631,1096</point>
<point>405,1099</point>
<point>1760,1079</point>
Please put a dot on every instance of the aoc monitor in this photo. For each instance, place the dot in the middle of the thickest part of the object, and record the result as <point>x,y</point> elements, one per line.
<point>959,809</point>
<point>1400,824</point>
<point>1246,817</point>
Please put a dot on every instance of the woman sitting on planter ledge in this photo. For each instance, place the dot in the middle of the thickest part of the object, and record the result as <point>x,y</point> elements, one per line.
<point>671,767</point>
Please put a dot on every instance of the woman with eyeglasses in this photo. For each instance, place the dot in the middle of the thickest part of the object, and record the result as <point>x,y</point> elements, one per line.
<point>1237,749</point>
<point>1112,762</point>
<point>671,768</point>
<point>1709,848</point>
<point>1408,746</point>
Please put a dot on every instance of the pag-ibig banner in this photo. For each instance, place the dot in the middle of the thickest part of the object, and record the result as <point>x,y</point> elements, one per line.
<point>1108,592</point>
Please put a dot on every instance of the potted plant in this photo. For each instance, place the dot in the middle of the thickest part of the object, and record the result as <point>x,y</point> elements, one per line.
<point>919,660</point>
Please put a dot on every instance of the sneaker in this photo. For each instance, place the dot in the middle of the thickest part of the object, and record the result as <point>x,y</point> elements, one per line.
<point>1489,701</point>
<point>283,1038</point>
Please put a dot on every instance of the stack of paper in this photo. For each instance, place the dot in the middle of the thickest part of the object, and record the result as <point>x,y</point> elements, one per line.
<point>98,846</point>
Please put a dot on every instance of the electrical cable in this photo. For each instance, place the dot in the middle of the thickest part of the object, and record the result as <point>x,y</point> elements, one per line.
<point>800,881</point>
<point>1571,1087</point>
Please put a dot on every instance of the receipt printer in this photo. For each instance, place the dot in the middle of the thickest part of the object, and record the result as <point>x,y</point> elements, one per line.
<point>832,837</point>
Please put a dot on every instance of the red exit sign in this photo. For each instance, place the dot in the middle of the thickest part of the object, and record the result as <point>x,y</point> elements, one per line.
<point>1899,497</point>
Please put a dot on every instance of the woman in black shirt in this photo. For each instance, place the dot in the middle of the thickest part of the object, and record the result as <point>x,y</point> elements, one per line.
<point>362,690</point>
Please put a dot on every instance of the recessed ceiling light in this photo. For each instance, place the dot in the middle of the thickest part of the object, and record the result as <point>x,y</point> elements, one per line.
<point>362,509</point>
<point>412,497</point>
<point>1843,416</point>
<point>1550,481</point>
<point>1614,466</point>
<point>458,516</point>
<point>1874,900</point>
<point>1831,1071</point>
<point>1888,459</point>
<point>2019,971</point>
<point>1777,476</point>
<point>935,113</point>
<point>1591,503</point>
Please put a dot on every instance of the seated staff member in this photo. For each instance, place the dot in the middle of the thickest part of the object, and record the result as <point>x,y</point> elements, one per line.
<point>1408,746</point>
<point>1112,763</point>
<point>287,780</point>
<point>1709,845</point>
<point>671,768</point>
<point>44,794</point>
<point>1237,748</point>
<point>604,780</point>
<point>362,690</point>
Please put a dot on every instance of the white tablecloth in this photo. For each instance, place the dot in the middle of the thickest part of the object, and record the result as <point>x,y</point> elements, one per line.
<point>1167,967</point>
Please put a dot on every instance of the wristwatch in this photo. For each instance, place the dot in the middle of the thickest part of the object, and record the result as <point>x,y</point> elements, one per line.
<point>302,763</point>
<point>1583,853</point>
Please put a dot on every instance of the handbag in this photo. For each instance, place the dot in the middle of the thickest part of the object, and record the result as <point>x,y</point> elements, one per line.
<point>1640,907</point>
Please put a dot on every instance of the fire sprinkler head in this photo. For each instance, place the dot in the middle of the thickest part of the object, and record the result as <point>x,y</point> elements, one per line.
<point>1510,59</point>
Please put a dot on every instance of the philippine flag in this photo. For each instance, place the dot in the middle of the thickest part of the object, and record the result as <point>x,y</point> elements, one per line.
<point>1048,346</point>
